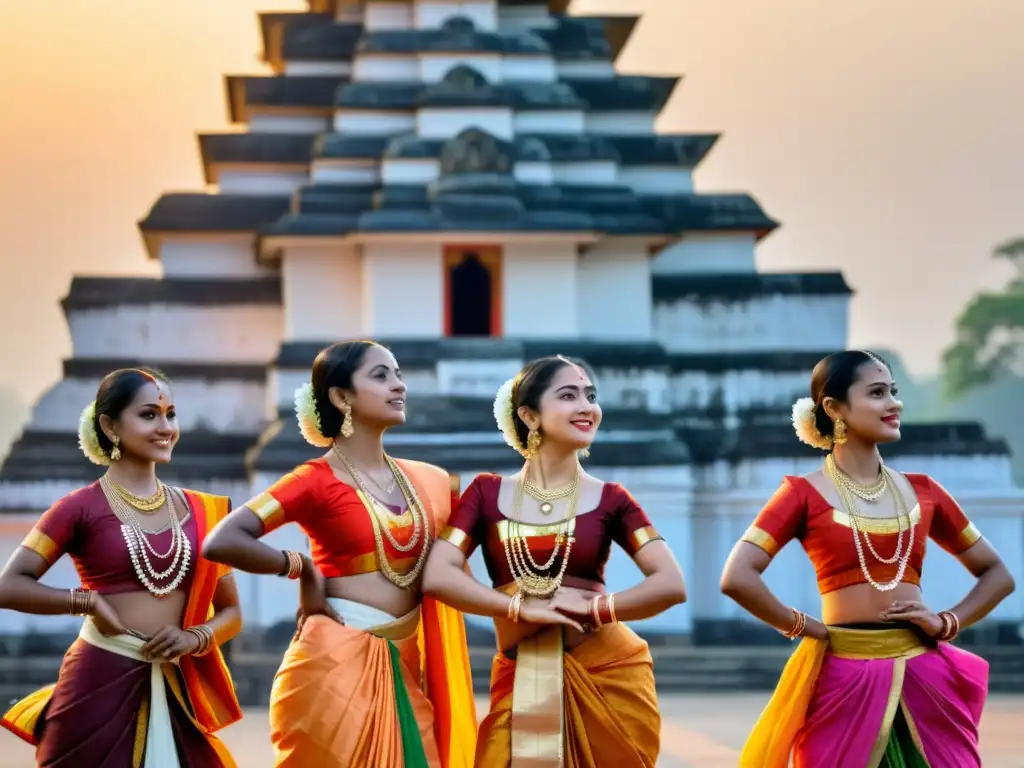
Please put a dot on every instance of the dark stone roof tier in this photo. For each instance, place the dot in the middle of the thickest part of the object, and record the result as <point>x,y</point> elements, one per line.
<point>727,287</point>
<point>685,150</point>
<point>282,448</point>
<point>102,292</point>
<point>317,37</point>
<point>97,368</point>
<point>737,212</point>
<point>305,92</point>
<point>775,439</point>
<point>200,456</point>
<point>253,149</point>
<point>203,212</point>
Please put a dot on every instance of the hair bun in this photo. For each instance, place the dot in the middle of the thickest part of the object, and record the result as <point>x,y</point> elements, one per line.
<point>804,423</point>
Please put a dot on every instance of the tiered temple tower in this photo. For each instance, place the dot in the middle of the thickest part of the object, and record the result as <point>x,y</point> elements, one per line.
<point>474,184</point>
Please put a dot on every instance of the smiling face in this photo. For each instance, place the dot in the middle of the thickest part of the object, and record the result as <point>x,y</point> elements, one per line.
<point>148,426</point>
<point>871,411</point>
<point>568,412</point>
<point>377,396</point>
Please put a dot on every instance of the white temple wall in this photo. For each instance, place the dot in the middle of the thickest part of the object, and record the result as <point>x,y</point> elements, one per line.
<point>636,123</point>
<point>432,67</point>
<point>403,290</point>
<point>297,68</point>
<point>429,14</point>
<point>222,405</point>
<point>520,17</point>
<point>739,389</point>
<point>529,69</point>
<point>578,70</point>
<point>216,256</point>
<point>540,295</point>
<point>354,172</point>
<point>530,172</point>
<point>562,121</point>
<point>368,122</point>
<point>266,183</point>
<point>774,323</point>
<point>385,67</point>
<point>277,122</point>
<point>634,388</point>
<point>615,290</point>
<point>657,179</point>
<point>215,334</point>
<point>403,171</point>
<point>323,293</point>
<point>387,15</point>
<point>714,252</point>
<point>445,123</point>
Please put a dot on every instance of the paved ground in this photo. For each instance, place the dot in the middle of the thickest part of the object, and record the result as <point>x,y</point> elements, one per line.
<point>699,732</point>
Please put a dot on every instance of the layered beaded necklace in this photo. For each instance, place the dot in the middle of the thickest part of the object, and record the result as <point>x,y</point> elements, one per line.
<point>847,489</point>
<point>531,577</point>
<point>380,515</point>
<point>126,506</point>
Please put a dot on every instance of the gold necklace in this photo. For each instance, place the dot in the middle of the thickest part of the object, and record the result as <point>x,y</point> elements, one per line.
<point>378,509</point>
<point>867,492</point>
<point>141,503</point>
<point>420,522</point>
<point>548,495</point>
<point>530,576</point>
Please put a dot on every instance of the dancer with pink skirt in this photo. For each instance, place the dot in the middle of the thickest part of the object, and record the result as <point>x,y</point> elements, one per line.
<point>877,683</point>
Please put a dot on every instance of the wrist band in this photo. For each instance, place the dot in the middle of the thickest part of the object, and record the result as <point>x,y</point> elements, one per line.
<point>80,602</point>
<point>799,624</point>
<point>950,626</point>
<point>595,611</point>
<point>206,639</point>
<point>515,604</point>
<point>293,565</point>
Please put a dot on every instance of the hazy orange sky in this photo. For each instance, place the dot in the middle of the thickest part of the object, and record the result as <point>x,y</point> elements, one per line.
<point>886,135</point>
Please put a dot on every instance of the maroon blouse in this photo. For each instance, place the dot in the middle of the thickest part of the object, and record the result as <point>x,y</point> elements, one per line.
<point>83,525</point>
<point>617,517</point>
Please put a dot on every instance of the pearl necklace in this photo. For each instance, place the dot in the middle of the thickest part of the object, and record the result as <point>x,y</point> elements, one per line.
<point>139,546</point>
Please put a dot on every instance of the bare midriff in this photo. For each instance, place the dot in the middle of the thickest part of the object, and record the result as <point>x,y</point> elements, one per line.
<point>373,589</point>
<point>142,612</point>
<point>862,603</point>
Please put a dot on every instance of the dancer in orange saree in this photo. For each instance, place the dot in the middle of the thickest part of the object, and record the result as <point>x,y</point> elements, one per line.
<point>570,685</point>
<point>145,685</point>
<point>375,676</point>
<point>878,684</point>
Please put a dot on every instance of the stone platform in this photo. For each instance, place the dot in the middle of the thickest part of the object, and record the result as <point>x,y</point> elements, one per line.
<point>699,731</point>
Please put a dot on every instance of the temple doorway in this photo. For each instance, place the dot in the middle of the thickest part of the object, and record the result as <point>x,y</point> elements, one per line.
<point>472,292</point>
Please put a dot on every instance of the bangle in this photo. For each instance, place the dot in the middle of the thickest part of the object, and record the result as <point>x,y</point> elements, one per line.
<point>604,609</point>
<point>80,602</point>
<point>799,624</point>
<point>611,610</point>
<point>595,611</point>
<point>515,604</point>
<point>950,626</point>
<point>206,639</point>
<point>293,565</point>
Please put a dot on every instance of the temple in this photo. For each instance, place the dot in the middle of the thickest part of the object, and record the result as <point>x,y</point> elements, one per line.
<point>474,184</point>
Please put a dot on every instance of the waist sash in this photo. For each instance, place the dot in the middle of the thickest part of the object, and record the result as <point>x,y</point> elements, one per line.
<point>161,751</point>
<point>374,621</point>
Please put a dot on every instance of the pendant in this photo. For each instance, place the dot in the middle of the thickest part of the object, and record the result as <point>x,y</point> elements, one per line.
<point>546,507</point>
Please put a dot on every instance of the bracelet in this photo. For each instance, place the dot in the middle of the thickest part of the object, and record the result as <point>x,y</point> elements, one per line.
<point>602,609</point>
<point>514,606</point>
<point>799,624</point>
<point>595,611</point>
<point>293,565</point>
<point>80,602</point>
<point>950,626</point>
<point>206,639</point>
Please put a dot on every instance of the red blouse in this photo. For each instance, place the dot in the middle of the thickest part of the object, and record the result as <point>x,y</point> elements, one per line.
<point>798,510</point>
<point>617,517</point>
<point>335,517</point>
<point>83,525</point>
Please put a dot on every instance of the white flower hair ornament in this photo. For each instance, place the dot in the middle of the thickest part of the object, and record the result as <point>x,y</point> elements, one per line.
<point>309,417</point>
<point>88,440</point>
<point>805,426</point>
<point>505,416</point>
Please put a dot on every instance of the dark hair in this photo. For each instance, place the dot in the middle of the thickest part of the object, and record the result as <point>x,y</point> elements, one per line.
<point>532,381</point>
<point>832,377</point>
<point>334,367</point>
<point>116,392</point>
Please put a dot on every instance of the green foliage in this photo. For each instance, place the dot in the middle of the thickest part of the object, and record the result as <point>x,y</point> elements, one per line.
<point>989,333</point>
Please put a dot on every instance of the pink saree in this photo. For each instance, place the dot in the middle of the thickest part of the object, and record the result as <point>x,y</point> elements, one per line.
<point>872,698</point>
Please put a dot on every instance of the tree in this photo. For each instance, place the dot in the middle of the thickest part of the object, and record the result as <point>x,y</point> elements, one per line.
<point>990,332</point>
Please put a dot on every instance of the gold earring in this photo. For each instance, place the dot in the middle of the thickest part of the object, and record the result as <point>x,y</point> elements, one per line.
<point>346,423</point>
<point>115,452</point>
<point>533,442</point>
<point>839,432</point>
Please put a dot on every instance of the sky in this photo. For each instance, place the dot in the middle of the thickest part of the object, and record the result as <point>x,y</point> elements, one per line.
<point>885,135</point>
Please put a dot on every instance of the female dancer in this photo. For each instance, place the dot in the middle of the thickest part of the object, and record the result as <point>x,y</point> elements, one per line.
<point>570,685</point>
<point>876,684</point>
<point>145,683</point>
<point>349,690</point>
